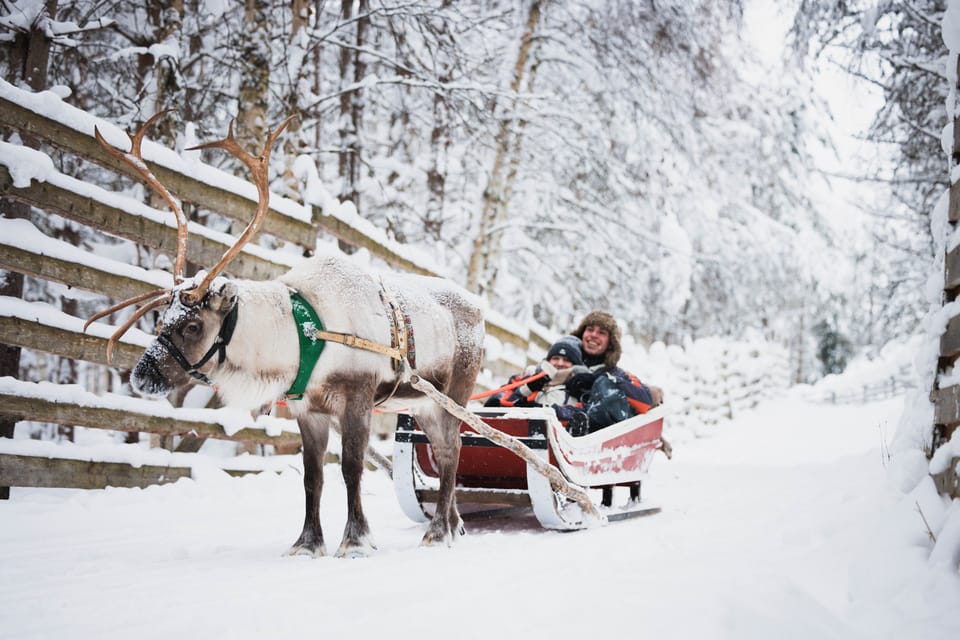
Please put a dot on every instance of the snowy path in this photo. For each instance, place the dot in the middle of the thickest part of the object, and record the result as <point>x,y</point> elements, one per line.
<point>780,526</point>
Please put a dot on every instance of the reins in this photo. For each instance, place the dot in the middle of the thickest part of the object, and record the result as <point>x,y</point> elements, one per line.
<point>508,387</point>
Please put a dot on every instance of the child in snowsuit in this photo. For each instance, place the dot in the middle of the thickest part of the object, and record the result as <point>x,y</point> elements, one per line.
<point>563,359</point>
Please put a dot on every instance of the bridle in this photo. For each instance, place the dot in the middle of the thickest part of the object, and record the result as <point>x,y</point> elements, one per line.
<point>219,346</point>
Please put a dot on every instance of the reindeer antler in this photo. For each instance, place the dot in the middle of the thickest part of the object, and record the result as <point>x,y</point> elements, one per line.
<point>258,166</point>
<point>134,159</point>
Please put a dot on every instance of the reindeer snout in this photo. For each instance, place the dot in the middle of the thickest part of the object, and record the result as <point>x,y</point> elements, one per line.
<point>147,380</point>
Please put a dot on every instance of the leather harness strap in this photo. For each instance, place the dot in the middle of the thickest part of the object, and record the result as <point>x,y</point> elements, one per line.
<point>313,337</point>
<point>401,329</point>
<point>351,340</point>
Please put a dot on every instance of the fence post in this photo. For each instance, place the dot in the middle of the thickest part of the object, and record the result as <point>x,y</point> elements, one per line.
<point>947,401</point>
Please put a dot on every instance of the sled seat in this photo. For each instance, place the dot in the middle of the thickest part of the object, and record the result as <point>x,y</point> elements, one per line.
<point>482,463</point>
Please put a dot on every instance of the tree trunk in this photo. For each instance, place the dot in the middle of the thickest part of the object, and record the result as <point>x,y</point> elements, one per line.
<point>352,71</point>
<point>437,174</point>
<point>492,267</point>
<point>317,84</point>
<point>255,82</point>
<point>300,33</point>
<point>29,57</point>
<point>440,140</point>
<point>167,16</point>
<point>160,78</point>
<point>495,197</point>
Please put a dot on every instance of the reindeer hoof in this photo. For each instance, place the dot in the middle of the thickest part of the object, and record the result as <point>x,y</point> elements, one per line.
<point>361,548</point>
<point>355,550</point>
<point>431,540</point>
<point>435,538</point>
<point>307,550</point>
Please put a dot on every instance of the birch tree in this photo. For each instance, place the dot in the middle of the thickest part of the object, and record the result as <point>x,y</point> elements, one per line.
<point>897,47</point>
<point>255,58</point>
<point>353,69</point>
<point>481,273</point>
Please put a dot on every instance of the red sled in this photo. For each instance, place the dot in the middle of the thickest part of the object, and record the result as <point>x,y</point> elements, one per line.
<point>491,476</point>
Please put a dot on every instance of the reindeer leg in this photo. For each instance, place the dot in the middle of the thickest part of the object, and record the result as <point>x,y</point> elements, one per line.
<point>314,430</point>
<point>444,434</point>
<point>459,388</point>
<point>355,436</point>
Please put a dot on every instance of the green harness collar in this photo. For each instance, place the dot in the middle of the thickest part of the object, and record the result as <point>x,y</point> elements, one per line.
<point>308,324</point>
<point>313,337</point>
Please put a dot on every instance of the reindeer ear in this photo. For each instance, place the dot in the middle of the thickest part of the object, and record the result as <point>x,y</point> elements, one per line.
<point>225,298</point>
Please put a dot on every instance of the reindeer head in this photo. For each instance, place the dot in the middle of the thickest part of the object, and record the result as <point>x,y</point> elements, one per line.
<point>191,339</point>
<point>201,312</point>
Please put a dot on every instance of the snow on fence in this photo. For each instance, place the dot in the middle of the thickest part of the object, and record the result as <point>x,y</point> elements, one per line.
<point>945,394</point>
<point>30,177</point>
<point>711,381</point>
<point>868,392</point>
<point>871,377</point>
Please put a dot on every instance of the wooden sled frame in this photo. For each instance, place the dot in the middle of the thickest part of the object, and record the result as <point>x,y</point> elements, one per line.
<point>494,477</point>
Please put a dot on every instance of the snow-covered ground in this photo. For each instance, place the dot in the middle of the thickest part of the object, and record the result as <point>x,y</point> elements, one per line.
<point>781,525</point>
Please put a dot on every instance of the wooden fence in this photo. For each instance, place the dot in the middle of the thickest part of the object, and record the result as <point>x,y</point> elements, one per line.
<point>946,400</point>
<point>29,177</point>
<point>711,382</point>
<point>879,390</point>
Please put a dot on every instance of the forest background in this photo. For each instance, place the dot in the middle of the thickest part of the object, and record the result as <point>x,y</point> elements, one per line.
<point>555,156</point>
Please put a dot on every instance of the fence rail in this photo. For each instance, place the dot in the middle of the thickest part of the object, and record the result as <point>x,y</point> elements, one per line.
<point>63,473</point>
<point>69,413</point>
<point>872,392</point>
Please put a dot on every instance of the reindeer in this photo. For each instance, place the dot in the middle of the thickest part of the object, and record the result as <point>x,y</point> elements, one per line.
<point>254,341</point>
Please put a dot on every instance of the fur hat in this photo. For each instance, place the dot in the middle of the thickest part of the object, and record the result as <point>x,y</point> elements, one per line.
<point>568,347</point>
<point>603,319</point>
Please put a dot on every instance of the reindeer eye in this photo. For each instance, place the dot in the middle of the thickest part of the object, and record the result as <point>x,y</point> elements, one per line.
<point>191,329</point>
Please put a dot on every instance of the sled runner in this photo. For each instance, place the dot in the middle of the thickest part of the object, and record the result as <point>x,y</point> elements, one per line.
<point>494,477</point>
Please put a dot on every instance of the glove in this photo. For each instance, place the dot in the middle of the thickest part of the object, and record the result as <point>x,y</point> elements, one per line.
<point>579,384</point>
<point>494,400</point>
<point>560,378</point>
<point>540,383</point>
<point>578,424</point>
<point>656,393</point>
